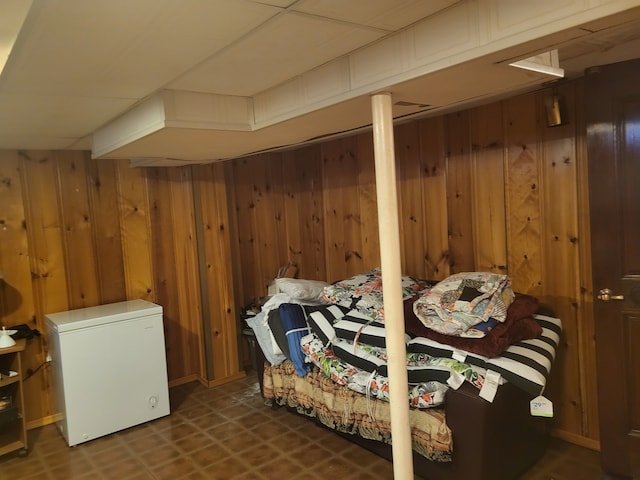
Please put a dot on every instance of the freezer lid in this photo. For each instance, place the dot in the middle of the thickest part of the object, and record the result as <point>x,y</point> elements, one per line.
<point>101,314</point>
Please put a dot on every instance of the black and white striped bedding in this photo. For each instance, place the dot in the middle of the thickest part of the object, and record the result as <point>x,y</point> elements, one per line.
<point>526,364</point>
<point>360,328</point>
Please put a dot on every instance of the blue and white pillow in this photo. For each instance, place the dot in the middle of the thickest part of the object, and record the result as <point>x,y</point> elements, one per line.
<point>294,323</point>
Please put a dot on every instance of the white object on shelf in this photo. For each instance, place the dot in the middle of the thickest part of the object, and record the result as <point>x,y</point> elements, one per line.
<point>109,368</point>
<point>5,339</point>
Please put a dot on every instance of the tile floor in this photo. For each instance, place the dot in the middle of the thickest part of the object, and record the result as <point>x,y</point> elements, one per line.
<point>220,433</point>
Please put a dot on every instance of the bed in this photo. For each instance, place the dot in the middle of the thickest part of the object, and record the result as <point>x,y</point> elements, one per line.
<point>470,411</point>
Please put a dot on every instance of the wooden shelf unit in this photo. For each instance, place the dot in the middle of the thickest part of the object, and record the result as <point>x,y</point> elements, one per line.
<point>13,430</point>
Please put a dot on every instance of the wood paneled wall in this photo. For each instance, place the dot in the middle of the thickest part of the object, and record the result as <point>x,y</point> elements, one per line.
<point>491,188</point>
<point>76,232</point>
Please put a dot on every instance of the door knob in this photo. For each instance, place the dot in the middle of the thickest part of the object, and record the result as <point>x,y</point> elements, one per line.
<point>606,295</point>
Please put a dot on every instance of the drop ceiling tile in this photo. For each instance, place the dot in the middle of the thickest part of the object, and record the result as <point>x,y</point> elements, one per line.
<point>390,15</point>
<point>275,3</point>
<point>91,48</point>
<point>283,48</point>
<point>55,116</point>
<point>40,142</point>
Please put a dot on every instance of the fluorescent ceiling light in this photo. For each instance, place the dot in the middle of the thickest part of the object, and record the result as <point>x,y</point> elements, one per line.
<point>546,63</point>
<point>13,15</point>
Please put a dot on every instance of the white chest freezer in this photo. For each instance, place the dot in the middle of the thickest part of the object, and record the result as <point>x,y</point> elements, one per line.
<point>109,368</point>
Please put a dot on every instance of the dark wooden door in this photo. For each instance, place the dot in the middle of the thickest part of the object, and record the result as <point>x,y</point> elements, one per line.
<point>613,136</point>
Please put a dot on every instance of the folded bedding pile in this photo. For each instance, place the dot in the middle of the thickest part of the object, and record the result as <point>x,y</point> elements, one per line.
<point>470,327</point>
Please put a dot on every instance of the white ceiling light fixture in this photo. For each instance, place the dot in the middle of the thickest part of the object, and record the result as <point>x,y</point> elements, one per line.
<point>14,13</point>
<point>546,63</point>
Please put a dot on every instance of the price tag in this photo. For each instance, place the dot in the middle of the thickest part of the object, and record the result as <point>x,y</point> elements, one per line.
<point>459,355</point>
<point>455,380</point>
<point>490,386</point>
<point>541,407</point>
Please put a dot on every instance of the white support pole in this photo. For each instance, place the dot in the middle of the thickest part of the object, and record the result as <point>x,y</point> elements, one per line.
<point>389,233</point>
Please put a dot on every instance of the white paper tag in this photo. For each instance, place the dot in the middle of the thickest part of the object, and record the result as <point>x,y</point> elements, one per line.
<point>455,380</point>
<point>541,407</point>
<point>459,355</point>
<point>490,386</point>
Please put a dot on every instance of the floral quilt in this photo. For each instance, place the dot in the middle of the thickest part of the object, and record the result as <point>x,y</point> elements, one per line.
<point>456,304</point>
<point>363,292</point>
<point>374,385</point>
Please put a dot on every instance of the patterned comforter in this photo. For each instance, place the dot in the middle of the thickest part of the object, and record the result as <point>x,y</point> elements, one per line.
<point>344,410</point>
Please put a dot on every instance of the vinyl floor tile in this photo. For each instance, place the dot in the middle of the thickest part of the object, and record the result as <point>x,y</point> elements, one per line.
<point>227,432</point>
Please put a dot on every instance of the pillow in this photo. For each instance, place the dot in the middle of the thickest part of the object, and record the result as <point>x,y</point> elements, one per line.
<point>433,370</point>
<point>264,337</point>
<point>360,328</point>
<point>439,350</point>
<point>301,290</point>
<point>321,320</point>
<point>417,374</point>
<point>295,326</point>
<point>363,292</point>
<point>358,357</point>
<point>527,364</point>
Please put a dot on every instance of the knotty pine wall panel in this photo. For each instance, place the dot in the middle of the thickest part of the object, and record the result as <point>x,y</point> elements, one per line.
<point>247,233</point>
<point>368,202</point>
<point>46,250</point>
<point>189,352</point>
<point>433,167</point>
<point>174,253</point>
<point>274,223</point>
<point>487,188</point>
<point>135,226</point>
<point>259,201</point>
<point>107,231</point>
<point>409,177</point>
<point>77,233</point>
<point>560,238</point>
<point>17,302</point>
<point>222,312</point>
<point>341,166</point>
<point>459,194</point>
<point>48,273</point>
<point>303,212</point>
<point>16,294</point>
<point>289,209</point>
<point>522,185</point>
